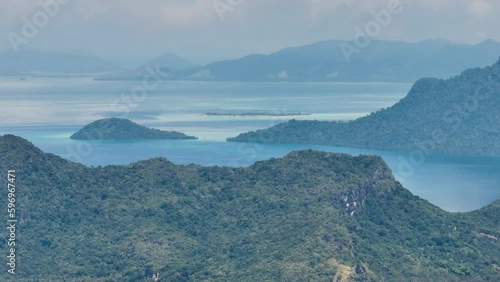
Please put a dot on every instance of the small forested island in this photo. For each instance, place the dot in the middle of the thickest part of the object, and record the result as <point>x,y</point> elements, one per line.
<point>456,116</point>
<point>309,216</point>
<point>254,114</point>
<point>123,129</point>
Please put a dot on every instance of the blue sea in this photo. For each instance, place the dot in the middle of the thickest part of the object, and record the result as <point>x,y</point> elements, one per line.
<point>47,110</point>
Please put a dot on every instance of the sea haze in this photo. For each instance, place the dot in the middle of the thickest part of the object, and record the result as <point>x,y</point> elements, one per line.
<point>42,110</point>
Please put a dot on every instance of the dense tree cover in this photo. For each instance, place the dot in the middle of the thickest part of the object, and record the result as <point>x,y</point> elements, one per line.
<point>123,129</point>
<point>310,216</point>
<point>459,115</point>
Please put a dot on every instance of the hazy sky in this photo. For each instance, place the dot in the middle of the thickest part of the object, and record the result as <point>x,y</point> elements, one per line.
<point>193,28</point>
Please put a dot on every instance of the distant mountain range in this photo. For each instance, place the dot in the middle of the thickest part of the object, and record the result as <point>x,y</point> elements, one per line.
<point>380,61</point>
<point>169,62</point>
<point>172,61</point>
<point>27,62</point>
<point>310,216</point>
<point>460,115</point>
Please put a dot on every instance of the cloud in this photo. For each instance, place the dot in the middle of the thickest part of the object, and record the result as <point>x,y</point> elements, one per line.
<point>187,14</point>
<point>11,12</point>
<point>154,26</point>
<point>481,7</point>
<point>93,8</point>
<point>318,7</point>
<point>437,5</point>
<point>153,13</point>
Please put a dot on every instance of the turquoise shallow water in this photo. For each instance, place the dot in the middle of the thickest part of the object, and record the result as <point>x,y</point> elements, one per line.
<point>47,111</point>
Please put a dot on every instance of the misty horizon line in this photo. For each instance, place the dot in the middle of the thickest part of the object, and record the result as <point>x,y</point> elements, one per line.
<point>192,58</point>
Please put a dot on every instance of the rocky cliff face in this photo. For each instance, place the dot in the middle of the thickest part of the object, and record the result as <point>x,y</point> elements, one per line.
<point>354,199</point>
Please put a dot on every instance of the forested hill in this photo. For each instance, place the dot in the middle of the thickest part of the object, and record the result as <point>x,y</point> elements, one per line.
<point>309,216</point>
<point>459,115</point>
<point>123,129</point>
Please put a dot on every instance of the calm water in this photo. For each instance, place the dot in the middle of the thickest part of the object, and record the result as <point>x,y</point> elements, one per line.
<point>47,111</point>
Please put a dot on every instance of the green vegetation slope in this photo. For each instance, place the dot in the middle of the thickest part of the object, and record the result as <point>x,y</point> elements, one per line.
<point>123,129</point>
<point>310,216</point>
<point>459,115</point>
